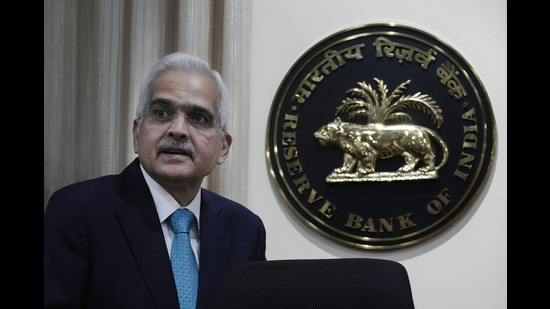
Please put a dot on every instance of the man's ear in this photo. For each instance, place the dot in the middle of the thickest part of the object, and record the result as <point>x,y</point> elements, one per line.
<point>135,134</point>
<point>226,145</point>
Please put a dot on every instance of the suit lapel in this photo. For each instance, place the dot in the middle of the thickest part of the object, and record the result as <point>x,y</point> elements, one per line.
<point>139,220</point>
<point>215,239</point>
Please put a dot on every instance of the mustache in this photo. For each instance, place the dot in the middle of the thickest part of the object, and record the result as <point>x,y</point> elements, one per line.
<point>177,146</point>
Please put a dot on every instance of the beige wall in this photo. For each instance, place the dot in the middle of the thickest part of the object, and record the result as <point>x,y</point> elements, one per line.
<point>465,266</point>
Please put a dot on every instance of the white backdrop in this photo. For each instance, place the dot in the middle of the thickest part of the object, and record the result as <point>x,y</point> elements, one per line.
<point>466,265</point>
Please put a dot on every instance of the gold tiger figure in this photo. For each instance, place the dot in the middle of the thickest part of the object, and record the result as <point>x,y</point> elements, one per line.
<point>363,144</point>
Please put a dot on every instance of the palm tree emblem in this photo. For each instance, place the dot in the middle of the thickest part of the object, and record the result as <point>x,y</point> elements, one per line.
<point>365,102</point>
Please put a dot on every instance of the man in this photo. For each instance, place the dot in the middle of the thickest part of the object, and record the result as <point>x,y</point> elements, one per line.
<point>107,241</point>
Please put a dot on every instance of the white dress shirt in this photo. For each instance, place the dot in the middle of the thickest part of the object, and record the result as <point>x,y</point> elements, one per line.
<point>166,205</point>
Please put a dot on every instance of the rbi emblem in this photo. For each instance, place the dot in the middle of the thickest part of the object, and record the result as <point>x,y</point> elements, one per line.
<point>380,137</point>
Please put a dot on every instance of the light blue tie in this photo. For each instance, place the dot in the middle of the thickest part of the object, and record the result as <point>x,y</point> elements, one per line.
<point>184,264</point>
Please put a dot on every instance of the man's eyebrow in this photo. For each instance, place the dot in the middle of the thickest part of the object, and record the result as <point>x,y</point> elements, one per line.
<point>161,101</point>
<point>186,108</point>
<point>198,108</point>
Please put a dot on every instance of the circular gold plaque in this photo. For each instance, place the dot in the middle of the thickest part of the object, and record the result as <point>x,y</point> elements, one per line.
<point>380,137</point>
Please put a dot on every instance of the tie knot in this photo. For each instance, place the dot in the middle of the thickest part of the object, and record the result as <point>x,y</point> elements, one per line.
<point>181,220</point>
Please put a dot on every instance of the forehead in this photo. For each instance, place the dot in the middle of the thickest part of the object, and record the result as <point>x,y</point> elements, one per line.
<point>182,87</point>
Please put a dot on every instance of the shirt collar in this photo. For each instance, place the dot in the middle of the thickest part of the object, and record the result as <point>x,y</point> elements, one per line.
<point>166,204</point>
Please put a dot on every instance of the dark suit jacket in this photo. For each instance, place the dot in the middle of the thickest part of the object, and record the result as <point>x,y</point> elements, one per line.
<point>104,247</point>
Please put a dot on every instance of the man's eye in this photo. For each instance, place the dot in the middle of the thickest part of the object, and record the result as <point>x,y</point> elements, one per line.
<point>162,113</point>
<point>199,118</point>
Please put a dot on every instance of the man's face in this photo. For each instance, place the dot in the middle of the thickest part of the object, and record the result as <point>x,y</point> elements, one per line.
<point>179,140</point>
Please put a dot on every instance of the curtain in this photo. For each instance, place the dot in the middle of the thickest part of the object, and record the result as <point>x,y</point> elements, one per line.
<point>96,53</point>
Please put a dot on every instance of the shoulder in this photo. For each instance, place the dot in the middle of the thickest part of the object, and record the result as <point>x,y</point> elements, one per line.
<point>75,202</point>
<point>100,189</point>
<point>86,190</point>
<point>228,208</point>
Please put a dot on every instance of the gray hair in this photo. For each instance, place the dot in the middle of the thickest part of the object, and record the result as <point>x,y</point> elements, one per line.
<point>180,61</point>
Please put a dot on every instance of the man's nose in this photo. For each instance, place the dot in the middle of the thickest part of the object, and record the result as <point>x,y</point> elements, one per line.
<point>179,126</point>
